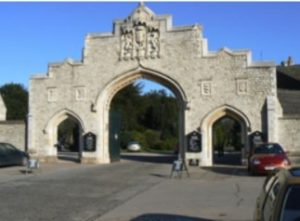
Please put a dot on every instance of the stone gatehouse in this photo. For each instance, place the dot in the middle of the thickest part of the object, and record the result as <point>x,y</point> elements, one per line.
<point>208,86</point>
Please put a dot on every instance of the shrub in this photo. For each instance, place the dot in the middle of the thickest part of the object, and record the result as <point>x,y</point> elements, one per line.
<point>151,138</point>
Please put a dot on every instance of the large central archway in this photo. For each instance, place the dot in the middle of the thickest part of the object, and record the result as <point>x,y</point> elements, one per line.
<point>102,105</point>
<point>208,123</point>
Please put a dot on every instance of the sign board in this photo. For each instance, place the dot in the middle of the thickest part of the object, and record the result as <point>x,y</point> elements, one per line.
<point>89,140</point>
<point>194,142</point>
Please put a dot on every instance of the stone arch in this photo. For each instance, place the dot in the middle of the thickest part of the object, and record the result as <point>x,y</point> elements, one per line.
<point>103,100</point>
<point>59,116</point>
<point>206,130</point>
<point>128,77</point>
<point>51,127</point>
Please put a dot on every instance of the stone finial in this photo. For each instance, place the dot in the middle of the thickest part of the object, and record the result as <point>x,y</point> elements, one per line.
<point>141,14</point>
<point>290,61</point>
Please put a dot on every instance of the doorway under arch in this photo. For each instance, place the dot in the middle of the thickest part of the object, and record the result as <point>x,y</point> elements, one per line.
<point>68,136</point>
<point>143,114</point>
<point>227,141</point>
<point>105,98</point>
<point>64,132</point>
<point>209,124</point>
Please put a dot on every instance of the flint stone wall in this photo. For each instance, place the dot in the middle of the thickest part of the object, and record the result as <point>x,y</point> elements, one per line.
<point>13,132</point>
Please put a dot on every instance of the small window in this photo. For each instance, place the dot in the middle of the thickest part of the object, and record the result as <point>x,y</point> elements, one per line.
<point>269,149</point>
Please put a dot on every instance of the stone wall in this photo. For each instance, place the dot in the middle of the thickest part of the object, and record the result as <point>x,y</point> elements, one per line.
<point>289,134</point>
<point>13,132</point>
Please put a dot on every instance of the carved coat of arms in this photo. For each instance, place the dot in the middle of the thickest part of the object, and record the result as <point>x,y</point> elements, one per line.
<point>140,37</point>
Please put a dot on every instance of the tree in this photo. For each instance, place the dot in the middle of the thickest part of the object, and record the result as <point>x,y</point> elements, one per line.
<point>227,132</point>
<point>15,97</point>
<point>151,118</point>
<point>127,102</point>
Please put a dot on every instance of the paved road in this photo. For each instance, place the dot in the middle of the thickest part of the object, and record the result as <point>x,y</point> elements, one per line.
<point>135,189</point>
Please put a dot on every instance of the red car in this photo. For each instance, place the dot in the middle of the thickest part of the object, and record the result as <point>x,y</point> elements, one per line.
<point>267,158</point>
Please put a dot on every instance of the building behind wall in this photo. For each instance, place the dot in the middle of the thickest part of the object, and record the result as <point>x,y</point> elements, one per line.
<point>288,84</point>
<point>208,86</point>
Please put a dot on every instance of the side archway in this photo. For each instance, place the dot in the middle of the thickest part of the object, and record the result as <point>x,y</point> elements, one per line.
<point>103,101</point>
<point>64,133</point>
<point>207,131</point>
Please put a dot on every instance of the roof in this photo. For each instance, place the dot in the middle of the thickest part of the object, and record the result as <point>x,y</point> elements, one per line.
<point>288,89</point>
<point>288,77</point>
<point>290,101</point>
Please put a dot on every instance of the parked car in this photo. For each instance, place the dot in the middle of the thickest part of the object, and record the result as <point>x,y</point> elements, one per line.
<point>266,158</point>
<point>133,146</point>
<point>279,199</point>
<point>10,155</point>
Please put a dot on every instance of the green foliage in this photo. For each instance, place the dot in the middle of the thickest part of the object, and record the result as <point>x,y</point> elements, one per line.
<point>15,97</point>
<point>125,138</point>
<point>139,137</point>
<point>151,118</point>
<point>127,103</point>
<point>67,135</point>
<point>152,138</point>
<point>227,133</point>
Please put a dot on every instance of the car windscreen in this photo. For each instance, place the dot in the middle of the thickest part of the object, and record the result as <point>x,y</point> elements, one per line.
<point>291,205</point>
<point>9,146</point>
<point>268,149</point>
<point>6,148</point>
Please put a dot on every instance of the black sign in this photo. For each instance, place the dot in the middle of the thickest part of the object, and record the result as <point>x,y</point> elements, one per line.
<point>194,142</point>
<point>89,140</point>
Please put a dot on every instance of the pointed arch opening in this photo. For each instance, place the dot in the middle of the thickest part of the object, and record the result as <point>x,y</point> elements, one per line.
<point>225,137</point>
<point>111,135</point>
<point>64,132</point>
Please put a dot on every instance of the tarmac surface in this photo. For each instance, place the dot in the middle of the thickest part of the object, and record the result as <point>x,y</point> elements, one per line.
<point>139,188</point>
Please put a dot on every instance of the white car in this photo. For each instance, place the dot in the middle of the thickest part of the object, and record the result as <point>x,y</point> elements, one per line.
<point>133,146</point>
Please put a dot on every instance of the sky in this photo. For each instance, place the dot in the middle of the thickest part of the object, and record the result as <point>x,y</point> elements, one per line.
<point>37,33</point>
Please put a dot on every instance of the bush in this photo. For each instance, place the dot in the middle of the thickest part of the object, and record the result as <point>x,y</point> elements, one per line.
<point>152,137</point>
<point>149,140</point>
<point>170,144</point>
<point>139,137</point>
<point>125,138</point>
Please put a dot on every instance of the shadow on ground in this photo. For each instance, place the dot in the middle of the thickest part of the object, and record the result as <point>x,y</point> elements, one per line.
<point>229,158</point>
<point>69,156</point>
<point>167,217</point>
<point>163,159</point>
<point>228,170</point>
